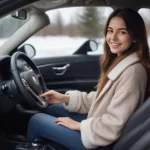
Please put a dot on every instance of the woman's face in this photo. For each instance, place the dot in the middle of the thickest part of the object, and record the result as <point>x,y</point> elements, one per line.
<point>117,36</point>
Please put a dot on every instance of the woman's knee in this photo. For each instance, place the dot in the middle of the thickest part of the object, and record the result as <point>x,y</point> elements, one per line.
<point>41,118</point>
<point>39,122</point>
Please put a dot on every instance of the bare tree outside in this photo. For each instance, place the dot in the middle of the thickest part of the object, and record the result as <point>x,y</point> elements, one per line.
<point>90,23</point>
<point>59,23</point>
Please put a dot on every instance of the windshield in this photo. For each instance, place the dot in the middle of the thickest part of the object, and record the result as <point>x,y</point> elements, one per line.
<point>8,26</point>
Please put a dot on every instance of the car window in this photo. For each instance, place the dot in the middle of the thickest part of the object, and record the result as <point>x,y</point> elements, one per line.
<point>69,29</point>
<point>144,13</point>
<point>8,26</point>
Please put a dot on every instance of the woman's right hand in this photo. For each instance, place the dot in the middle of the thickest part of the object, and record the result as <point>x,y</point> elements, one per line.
<point>53,97</point>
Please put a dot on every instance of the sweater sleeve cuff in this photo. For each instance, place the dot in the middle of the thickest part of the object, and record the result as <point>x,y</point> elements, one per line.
<point>86,133</point>
<point>72,102</point>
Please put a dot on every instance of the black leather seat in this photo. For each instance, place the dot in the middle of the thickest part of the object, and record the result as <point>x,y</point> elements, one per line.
<point>136,129</point>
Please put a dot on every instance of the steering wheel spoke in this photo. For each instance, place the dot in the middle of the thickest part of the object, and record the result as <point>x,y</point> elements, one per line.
<point>38,75</point>
<point>24,82</point>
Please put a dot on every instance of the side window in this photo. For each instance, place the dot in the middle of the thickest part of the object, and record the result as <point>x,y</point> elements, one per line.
<point>69,29</point>
<point>144,13</point>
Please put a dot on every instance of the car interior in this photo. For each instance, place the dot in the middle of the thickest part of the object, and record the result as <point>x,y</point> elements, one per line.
<point>24,77</point>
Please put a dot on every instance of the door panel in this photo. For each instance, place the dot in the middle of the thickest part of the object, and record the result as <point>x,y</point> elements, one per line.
<point>81,72</point>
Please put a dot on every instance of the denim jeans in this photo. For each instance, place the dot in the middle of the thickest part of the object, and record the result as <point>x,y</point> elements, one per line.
<point>42,126</point>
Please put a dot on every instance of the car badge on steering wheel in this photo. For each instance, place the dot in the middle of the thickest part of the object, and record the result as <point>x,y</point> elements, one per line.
<point>35,80</point>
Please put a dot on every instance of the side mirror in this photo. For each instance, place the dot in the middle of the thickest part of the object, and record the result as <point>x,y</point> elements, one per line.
<point>20,14</point>
<point>93,45</point>
<point>28,49</point>
<point>88,46</point>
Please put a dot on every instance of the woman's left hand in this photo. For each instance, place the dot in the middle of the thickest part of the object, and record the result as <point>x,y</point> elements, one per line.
<point>68,122</point>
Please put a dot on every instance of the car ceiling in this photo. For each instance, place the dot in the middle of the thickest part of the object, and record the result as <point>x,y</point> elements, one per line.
<point>7,6</point>
<point>47,4</point>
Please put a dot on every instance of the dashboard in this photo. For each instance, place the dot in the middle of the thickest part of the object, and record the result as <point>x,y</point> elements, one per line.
<point>5,72</point>
<point>9,95</point>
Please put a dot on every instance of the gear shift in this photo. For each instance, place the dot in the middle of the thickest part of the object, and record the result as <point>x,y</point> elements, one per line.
<point>35,145</point>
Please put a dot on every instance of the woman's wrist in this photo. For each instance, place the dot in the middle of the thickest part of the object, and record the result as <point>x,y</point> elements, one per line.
<point>66,99</point>
<point>78,126</point>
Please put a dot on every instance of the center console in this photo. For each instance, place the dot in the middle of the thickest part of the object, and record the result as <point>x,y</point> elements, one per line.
<point>22,144</point>
<point>34,146</point>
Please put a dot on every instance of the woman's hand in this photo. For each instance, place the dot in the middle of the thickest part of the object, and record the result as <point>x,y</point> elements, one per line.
<point>68,122</point>
<point>53,97</point>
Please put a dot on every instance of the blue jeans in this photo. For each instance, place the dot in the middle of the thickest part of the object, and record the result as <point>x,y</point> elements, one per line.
<point>42,126</point>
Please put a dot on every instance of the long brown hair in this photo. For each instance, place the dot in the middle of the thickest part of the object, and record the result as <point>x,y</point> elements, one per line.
<point>136,29</point>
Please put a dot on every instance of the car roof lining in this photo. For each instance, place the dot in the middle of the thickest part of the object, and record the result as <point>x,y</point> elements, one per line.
<point>109,3</point>
<point>7,6</point>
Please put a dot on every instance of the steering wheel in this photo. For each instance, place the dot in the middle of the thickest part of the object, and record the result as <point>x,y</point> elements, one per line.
<point>30,82</point>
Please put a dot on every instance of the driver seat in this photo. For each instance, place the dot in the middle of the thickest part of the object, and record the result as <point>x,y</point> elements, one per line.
<point>137,127</point>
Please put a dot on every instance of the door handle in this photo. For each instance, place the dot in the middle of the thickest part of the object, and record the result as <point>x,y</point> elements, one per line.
<point>60,70</point>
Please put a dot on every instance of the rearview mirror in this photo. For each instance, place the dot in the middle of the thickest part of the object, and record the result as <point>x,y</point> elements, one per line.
<point>20,14</point>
